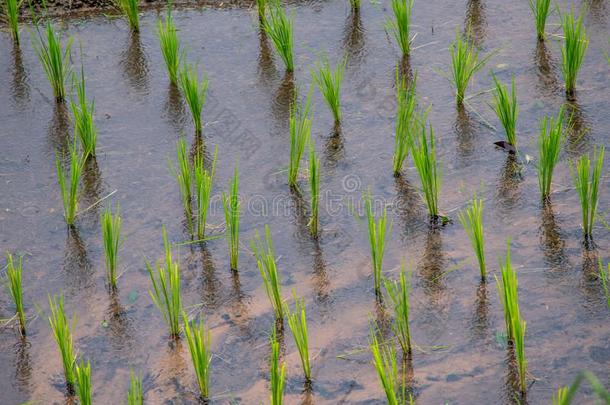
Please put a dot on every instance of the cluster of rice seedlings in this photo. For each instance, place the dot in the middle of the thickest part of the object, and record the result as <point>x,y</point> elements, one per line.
<point>111,237</point>
<point>314,186</point>
<point>14,271</point>
<point>300,132</point>
<point>329,83</point>
<point>265,259</point>
<point>55,60</point>
<point>549,144</point>
<point>472,221</point>
<point>277,372</point>
<point>507,109</point>
<point>184,178</point>
<point>199,341</point>
<point>135,395</point>
<point>297,321</point>
<point>10,10</point>
<point>261,6</point>
<point>165,291</point>
<point>384,360</point>
<point>279,27</point>
<point>400,26</point>
<point>82,372</point>
<point>541,10</point>
<point>604,276</point>
<point>465,63</point>
<point>424,158</point>
<point>573,50</point>
<point>82,111</point>
<point>63,337</point>
<point>194,90</point>
<point>379,232</point>
<point>130,9</point>
<point>204,180</point>
<point>232,211</point>
<point>68,184</point>
<point>586,181</point>
<point>406,102</point>
<point>398,292</point>
<point>170,45</point>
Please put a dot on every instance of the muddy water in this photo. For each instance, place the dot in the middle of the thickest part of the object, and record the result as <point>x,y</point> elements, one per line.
<point>457,321</point>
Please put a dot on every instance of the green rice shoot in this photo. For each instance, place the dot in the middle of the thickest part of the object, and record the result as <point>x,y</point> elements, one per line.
<point>300,132</point>
<point>575,44</point>
<point>399,292</point>
<point>379,232</point>
<point>111,238</point>
<point>204,180</point>
<point>384,360</point>
<point>277,372</point>
<point>586,181</point>
<point>541,10</point>
<point>400,25</point>
<point>279,27</point>
<point>314,187</point>
<point>266,262</point>
<point>507,109</point>
<point>424,158</point>
<point>63,337</point>
<point>130,10</point>
<point>14,271</point>
<point>69,184</point>
<point>261,7</point>
<point>170,45</point>
<point>297,321</point>
<point>184,178</point>
<point>54,59</point>
<point>549,145</point>
<point>329,81</point>
<point>82,371</point>
<point>406,101</point>
<point>10,9</point>
<point>82,111</point>
<point>604,276</point>
<point>465,63</point>
<point>232,211</point>
<point>194,90</point>
<point>135,395</point>
<point>355,4</point>
<point>472,221</point>
<point>199,342</point>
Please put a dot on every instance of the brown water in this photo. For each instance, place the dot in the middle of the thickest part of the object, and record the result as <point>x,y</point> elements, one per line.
<point>457,322</point>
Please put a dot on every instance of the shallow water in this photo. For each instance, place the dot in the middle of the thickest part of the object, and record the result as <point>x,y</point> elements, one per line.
<point>456,320</point>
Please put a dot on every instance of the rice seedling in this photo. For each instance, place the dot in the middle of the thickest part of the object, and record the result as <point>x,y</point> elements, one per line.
<point>82,111</point>
<point>297,321</point>
<point>604,276</point>
<point>355,5</point>
<point>549,144</point>
<point>465,63</point>
<point>472,221</point>
<point>82,372</point>
<point>400,26</point>
<point>586,181</point>
<point>199,341</point>
<point>507,109</point>
<point>135,395</point>
<point>314,187</point>
<point>519,342</point>
<point>424,158</point>
<point>560,396</point>
<point>68,184</point>
<point>194,90</point>
<point>573,50</point>
<point>10,10</point>
<point>300,132</point>
<point>541,10</point>
<point>184,178</point>
<point>170,45</point>
<point>232,211</point>
<point>204,180</point>
<point>399,292</point>
<point>379,232</point>
<point>265,259</point>
<point>261,6</point>
<point>277,373</point>
<point>130,9</point>
<point>405,114</point>
<point>63,337</point>
<point>111,237</point>
<point>279,27</point>
<point>14,285</point>
<point>329,84</point>
<point>384,360</point>
<point>55,60</point>
<point>165,291</point>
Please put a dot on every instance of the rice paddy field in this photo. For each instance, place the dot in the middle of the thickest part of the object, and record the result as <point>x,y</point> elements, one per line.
<point>463,348</point>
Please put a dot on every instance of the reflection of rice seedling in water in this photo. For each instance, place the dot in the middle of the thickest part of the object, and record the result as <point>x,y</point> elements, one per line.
<point>472,221</point>
<point>297,321</point>
<point>400,26</point>
<point>130,9</point>
<point>68,184</point>
<point>573,50</point>
<point>170,45</point>
<point>61,332</point>
<point>300,131</point>
<point>405,114</point>
<point>384,360</point>
<point>111,236</point>
<point>15,288</point>
<point>82,372</point>
<point>507,109</point>
<point>329,83</point>
<point>184,178</point>
<point>265,259</point>
<point>424,158</point>
<point>587,186</point>
<point>540,9</point>
<point>165,291</point>
<point>605,278</point>
<point>54,60</point>
<point>399,295</point>
<point>277,373</point>
<point>135,395</point>
<point>279,27</point>
<point>199,341</point>
<point>549,144</point>
<point>314,186</point>
<point>379,232</point>
<point>232,212</point>
<point>11,13</point>
<point>194,91</point>
<point>204,180</point>
<point>84,128</point>
<point>465,63</point>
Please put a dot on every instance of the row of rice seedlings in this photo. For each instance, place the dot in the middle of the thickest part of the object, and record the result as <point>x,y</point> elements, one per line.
<point>549,145</point>
<point>507,109</point>
<point>379,232</point>
<point>165,291</point>
<point>204,180</point>
<point>232,211</point>
<point>82,372</point>
<point>265,259</point>
<point>472,221</point>
<point>54,59</point>
<point>297,321</point>
<point>541,10</point>
<point>194,90</point>
<point>586,181</point>
<point>406,101</point>
<point>465,63</point>
<point>63,337</point>
<point>573,50</point>
<point>400,26</point>
<point>424,158</point>
<point>170,45</point>
<point>399,292</point>
<point>384,360</point>
<point>199,342</point>
<point>280,28</point>
<point>314,187</point>
<point>131,11</point>
<point>184,178</point>
<point>300,132</point>
<point>82,111</point>
<point>329,84</point>
<point>604,276</point>
<point>277,372</point>
<point>14,285</point>
<point>135,395</point>
<point>111,237</point>
<point>10,9</point>
<point>69,184</point>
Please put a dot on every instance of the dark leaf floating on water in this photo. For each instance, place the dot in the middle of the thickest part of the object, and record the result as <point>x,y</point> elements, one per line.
<point>506,146</point>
